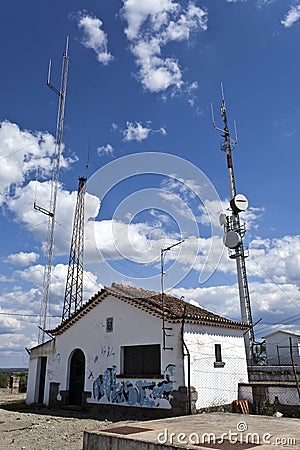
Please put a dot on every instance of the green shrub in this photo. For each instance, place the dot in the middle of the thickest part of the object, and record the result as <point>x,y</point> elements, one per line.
<point>4,381</point>
<point>23,381</point>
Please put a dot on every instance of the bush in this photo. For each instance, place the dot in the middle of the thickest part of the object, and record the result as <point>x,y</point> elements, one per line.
<point>23,381</point>
<point>4,381</point>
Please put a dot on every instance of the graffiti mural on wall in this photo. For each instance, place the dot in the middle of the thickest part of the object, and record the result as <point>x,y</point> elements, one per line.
<point>146,393</point>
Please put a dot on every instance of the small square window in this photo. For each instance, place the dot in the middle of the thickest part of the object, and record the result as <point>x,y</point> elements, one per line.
<point>109,324</point>
<point>218,353</point>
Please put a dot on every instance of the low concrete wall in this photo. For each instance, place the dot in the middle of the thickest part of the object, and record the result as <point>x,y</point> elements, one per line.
<point>273,373</point>
<point>271,389</point>
<point>195,432</point>
<point>97,441</point>
<point>268,398</point>
<point>13,388</point>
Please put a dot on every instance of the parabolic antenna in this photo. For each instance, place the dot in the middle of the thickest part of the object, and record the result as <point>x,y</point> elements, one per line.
<point>232,239</point>
<point>239,203</point>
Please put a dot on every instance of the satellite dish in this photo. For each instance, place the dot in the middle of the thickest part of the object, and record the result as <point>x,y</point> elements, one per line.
<point>239,203</point>
<point>232,239</point>
<point>223,219</point>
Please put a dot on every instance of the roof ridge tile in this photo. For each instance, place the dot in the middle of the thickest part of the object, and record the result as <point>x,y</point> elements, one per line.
<point>151,302</point>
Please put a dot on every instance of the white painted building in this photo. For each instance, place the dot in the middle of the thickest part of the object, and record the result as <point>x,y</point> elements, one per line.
<point>110,352</point>
<point>278,346</point>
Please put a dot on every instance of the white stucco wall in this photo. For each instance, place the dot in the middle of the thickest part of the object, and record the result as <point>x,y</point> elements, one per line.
<point>133,326</point>
<point>47,349</point>
<point>278,348</point>
<point>215,385</point>
<point>102,351</point>
<point>32,381</point>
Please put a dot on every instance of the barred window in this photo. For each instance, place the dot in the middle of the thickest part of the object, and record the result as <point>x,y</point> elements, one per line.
<point>218,356</point>
<point>142,360</point>
<point>109,324</point>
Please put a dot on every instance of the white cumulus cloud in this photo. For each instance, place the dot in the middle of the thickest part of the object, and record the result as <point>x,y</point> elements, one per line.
<point>291,17</point>
<point>105,150</point>
<point>151,25</point>
<point>94,37</point>
<point>276,259</point>
<point>22,153</point>
<point>21,204</point>
<point>268,302</point>
<point>35,275</point>
<point>188,21</point>
<point>136,131</point>
<point>22,258</point>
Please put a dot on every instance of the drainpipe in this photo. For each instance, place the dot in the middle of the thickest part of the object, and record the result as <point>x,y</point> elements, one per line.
<point>185,347</point>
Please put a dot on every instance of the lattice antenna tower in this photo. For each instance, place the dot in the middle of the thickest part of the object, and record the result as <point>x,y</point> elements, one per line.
<point>234,231</point>
<point>74,285</point>
<point>54,189</point>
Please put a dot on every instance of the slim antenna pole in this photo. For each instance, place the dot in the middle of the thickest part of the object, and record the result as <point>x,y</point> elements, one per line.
<point>234,231</point>
<point>54,189</point>
<point>294,366</point>
<point>88,160</point>
<point>163,251</point>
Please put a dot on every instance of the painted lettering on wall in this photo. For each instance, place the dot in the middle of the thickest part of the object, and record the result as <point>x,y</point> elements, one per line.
<point>147,393</point>
<point>90,362</point>
<point>107,351</point>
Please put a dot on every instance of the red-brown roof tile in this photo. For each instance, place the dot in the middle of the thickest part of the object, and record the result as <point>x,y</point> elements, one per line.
<point>175,309</point>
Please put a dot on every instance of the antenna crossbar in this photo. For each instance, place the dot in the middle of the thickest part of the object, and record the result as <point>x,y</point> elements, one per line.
<point>43,210</point>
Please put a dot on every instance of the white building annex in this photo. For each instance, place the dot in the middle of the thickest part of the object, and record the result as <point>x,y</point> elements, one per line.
<point>278,348</point>
<point>110,352</point>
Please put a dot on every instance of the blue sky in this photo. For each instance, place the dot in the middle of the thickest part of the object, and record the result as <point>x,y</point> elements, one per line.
<point>142,76</point>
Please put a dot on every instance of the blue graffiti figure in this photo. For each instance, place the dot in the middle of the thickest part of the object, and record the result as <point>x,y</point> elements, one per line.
<point>98,388</point>
<point>133,394</point>
<point>126,392</point>
<point>105,384</point>
<point>145,389</point>
<point>164,388</point>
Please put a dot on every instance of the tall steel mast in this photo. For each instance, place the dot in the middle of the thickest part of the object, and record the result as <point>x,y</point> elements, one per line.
<point>234,232</point>
<point>54,189</point>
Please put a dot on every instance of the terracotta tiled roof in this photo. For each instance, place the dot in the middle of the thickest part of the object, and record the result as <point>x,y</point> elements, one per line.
<point>175,309</point>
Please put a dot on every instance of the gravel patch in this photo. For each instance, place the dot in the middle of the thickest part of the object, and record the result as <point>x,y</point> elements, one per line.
<point>27,429</point>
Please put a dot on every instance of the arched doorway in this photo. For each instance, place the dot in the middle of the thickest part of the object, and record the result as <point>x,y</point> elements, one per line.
<point>77,371</point>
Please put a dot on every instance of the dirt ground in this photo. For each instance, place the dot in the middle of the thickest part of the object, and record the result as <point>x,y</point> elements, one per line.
<point>23,428</point>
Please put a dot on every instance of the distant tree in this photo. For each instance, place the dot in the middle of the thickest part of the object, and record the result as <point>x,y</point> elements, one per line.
<point>4,381</point>
<point>23,381</point>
